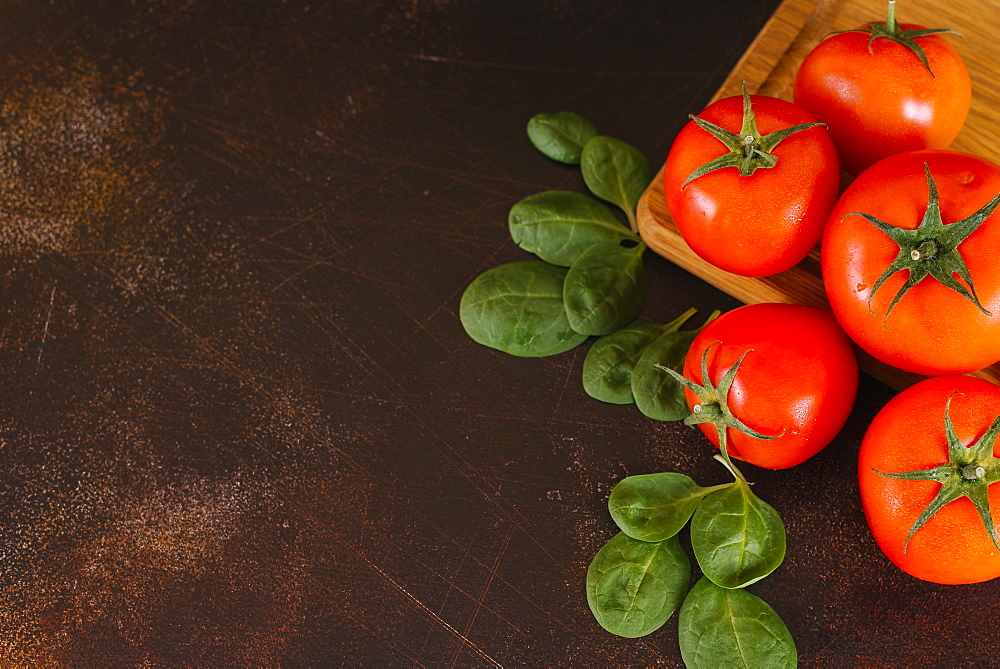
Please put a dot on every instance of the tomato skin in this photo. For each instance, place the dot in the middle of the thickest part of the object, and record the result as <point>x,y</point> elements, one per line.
<point>761,224</point>
<point>800,376</point>
<point>933,330</point>
<point>908,434</point>
<point>885,101</point>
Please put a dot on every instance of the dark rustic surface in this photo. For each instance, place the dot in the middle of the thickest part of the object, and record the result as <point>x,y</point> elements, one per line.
<point>240,423</point>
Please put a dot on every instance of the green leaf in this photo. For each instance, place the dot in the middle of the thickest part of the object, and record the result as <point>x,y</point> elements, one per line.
<point>605,288</point>
<point>732,628</point>
<point>616,172</point>
<point>737,537</point>
<point>559,225</point>
<point>518,308</point>
<point>658,395</point>
<point>654,507</point>
<point>633,587</point>
<point>607,369</point>
<point>560,136</point>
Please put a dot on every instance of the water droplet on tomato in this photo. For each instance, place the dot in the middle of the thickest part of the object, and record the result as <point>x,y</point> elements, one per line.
<point>862,287</point>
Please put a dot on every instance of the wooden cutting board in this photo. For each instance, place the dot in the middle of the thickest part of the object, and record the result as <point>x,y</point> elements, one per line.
<point>768,67</point>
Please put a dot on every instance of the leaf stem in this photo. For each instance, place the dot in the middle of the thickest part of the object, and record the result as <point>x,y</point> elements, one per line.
<point>632,223</point>
<point>722,486</point>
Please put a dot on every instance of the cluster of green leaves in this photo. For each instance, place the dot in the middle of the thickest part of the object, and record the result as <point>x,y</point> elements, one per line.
<point>625,366</point>
<point>641,576</point>
<point>590,279</point>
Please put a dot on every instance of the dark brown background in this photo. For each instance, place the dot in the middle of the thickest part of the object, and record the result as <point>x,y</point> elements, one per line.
<point>240,423</point>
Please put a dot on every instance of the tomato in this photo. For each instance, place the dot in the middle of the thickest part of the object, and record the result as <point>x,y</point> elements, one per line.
<point>877,98</point>
<point>762,223</point>
<point>796,383</point>
<point>909,436</point>
<point>946,323</point>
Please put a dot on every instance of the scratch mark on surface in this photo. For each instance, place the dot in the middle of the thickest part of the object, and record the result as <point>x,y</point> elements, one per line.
<point>453,586</point>
<point>423,607</point>
<point>48,320</point>
<point>538,68</point>
<point>479,563</point>
<point>480,601</point>
<point>453,456</point>
<point>224,362</point>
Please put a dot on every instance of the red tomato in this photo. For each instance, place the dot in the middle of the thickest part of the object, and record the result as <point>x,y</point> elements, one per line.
<point>878,98</point>
<point>766,222</point>
<point>798,380</point>
<point>909,435</point>
<point>933,329</point>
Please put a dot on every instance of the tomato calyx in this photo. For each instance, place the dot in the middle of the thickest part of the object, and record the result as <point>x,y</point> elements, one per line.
<point>931,248</point>
<point>748,150</point>
<point>713,406</point>
<point>969,472</point>
<point>891,31</point>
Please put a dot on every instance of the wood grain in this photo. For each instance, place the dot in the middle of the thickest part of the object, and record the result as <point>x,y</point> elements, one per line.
<point>768,67</point>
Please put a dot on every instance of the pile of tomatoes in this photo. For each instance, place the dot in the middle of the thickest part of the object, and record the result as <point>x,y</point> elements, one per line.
<point>908,254</point>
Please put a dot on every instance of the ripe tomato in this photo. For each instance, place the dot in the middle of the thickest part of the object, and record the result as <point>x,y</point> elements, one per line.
<point>909,436</point>
<point>797,381</point>
<point>949,321</point>
<point>762,223</point>
<point>878,98</point>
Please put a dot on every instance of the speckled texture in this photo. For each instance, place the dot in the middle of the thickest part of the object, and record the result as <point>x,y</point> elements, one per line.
<point>240,423</point>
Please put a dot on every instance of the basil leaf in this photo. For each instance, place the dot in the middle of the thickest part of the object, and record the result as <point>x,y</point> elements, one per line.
<point>657,394</point>
<point>732,628</point>
<point>518,308</point>
<point>559,225</point>
<point>737,537</point>
<point>633,587</point>
<point>605,288</point>
<point>560,136</point>
<point>616,172</point>
<point>654,507</point>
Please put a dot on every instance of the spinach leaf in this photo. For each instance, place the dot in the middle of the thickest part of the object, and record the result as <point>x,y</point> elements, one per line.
<point>560,136</point>
<point>605,288</point>
<point>654,507</point>
<point>718,627</point>
<point>559,225</point>
<point>737,537</point>
<point>616,172</point>
<point>518,308</point>
<point>608,367</point>
<point>656,393</point>
<point>633,587</point>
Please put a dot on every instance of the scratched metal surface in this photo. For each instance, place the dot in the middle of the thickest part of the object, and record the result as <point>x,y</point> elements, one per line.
<point>240,424</point>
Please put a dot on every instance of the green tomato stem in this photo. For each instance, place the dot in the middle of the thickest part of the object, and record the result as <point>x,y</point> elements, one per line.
<point>973,472</point>
<point>925,251</point>
<point>969,473</point>
<point>723,456</point>
<point>891,26</point>
<point>707,409</point>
